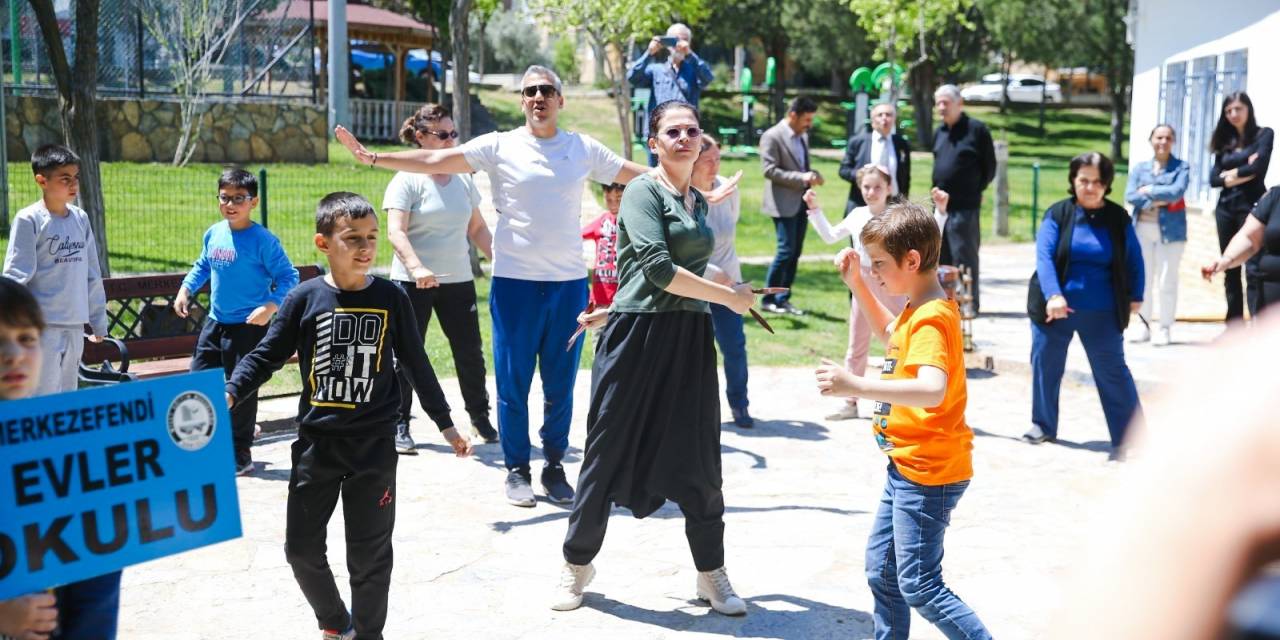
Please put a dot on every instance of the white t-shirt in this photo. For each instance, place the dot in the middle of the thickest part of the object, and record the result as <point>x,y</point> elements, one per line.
<point>537,190</point>
<point>722,218</point>
<point>438,219</point>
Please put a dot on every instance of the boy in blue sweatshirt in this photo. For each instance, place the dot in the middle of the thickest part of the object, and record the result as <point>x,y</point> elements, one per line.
<point>251,276</point>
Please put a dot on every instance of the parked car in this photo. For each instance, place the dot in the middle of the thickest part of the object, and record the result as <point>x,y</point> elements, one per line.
<point>1023,87</point>
<point>368,57</point>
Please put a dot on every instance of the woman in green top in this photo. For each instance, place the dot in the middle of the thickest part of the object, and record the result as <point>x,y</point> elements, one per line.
<point>653,428</point>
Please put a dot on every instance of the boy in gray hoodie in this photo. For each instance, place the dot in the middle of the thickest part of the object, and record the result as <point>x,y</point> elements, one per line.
<point>52,251</point>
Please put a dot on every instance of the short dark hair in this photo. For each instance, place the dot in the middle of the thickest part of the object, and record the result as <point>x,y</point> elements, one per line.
<point>902,227</point>
<point>1106,170</point>
<point>239,178</point>
<point>655,116</point>
<point>18,308</point>
<point>613,186</point>
<point>421,121</point>
<point>802,105</point>
<point>341,204</point>
<point>51,156</point>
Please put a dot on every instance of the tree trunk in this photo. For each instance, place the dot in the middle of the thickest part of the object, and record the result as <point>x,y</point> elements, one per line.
<point>1118,110</point>
<point>458,20</point>
<point>1004,84</point>
<point>77,89</point>
<point>621,91</point>
<point>778,97</point>
<point>923,80</point>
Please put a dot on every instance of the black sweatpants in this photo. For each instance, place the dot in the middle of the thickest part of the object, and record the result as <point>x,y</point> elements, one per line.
<point>961,239</point>
<point>222,346</point>
<point>1229,223</point>
<point>363,472</point>
<point>455,306</point>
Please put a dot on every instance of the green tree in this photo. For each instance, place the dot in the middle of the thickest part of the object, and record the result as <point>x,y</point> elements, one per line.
<point>1099,31</point>
<point>826,39</point>
<point>742,22</point>
<point>618,24</point>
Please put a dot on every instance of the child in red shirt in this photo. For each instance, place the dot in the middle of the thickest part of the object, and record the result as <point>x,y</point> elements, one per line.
<point>604,231</point>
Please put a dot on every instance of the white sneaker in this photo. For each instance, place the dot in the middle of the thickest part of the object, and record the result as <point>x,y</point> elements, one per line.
<point>847,411</point>
<point>1160,337</point>
<point>573,579</point>
<point>1139,333</point>
<point>714,587</point>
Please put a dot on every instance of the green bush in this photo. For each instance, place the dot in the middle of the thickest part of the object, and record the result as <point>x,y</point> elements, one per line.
<point>564,56</point>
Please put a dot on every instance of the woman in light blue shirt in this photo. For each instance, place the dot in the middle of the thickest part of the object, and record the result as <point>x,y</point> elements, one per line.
<point>1160,218</point>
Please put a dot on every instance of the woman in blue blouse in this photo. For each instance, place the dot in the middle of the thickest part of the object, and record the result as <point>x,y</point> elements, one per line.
<point>1088,280</point>
<point>1160,217</point>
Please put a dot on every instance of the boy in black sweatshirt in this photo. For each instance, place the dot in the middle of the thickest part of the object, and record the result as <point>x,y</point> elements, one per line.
<point>346,327</point>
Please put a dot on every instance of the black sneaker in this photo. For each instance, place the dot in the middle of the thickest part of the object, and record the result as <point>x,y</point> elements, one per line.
<point>404,442</point>
<point>481,428</point>
<point>519,488</point>
<point>555,484</point>
<point>244,462</point>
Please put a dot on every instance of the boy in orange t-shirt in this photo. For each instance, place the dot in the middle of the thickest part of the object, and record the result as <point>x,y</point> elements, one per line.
<point>918,422</point>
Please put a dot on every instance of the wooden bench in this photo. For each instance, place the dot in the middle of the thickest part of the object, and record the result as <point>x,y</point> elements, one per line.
<point>146,337</point>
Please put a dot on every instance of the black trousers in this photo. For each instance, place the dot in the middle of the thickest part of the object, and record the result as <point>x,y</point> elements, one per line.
<point>1229,222</point>
<point>363,472</point>
<point>455,306</point>
<point>782,272</point>
<point>1268,295</point>
<point>961,239</point>
<point>222,346</point>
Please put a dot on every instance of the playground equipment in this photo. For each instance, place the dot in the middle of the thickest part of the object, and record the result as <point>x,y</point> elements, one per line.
<point>862,83</point>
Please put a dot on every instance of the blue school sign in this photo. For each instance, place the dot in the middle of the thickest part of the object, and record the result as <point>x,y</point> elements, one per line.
<point>100,479</point>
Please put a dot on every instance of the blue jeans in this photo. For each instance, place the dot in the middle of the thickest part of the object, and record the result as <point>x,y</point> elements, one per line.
<point>532,322</point>
<point>733,348</point>
<point>782,272</point>
<point>904,561</point>
<point>89,609</point>
<point>1104,345</point>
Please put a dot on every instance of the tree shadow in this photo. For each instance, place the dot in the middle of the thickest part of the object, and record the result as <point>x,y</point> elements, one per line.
<point>667,511</point>
<point>797,429</point>
<point>780,616</point>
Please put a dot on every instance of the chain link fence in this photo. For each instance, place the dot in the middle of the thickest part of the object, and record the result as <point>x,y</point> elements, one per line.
<point>267,48</point>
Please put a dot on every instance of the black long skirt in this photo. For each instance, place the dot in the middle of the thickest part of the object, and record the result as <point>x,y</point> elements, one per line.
<point>653,429</point>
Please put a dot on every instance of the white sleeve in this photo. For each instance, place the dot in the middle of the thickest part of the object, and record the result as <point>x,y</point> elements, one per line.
<point>482,153</point>
<point>473,192</point>
<point>829,234</point>
<point>400,193</point>
<point>605,164</point>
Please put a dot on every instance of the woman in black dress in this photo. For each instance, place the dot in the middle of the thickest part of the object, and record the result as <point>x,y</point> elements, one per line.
<point>653,429</point>
<point>1241,153</point>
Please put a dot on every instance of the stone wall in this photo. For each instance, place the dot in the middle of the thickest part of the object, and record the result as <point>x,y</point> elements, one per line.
<point>135,130</point>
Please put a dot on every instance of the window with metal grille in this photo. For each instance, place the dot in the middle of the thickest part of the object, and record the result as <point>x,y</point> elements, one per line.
<point>1191,94</point>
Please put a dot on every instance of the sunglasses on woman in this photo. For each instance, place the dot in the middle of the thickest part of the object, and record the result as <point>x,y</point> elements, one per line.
<point>674,133</point>
<point>443,135</point>
<point>547,90</point>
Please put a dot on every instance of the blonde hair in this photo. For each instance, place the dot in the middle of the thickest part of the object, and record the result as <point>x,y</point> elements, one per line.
<point>903,227</point>
<point>869,169</point>
<point>418,122</point>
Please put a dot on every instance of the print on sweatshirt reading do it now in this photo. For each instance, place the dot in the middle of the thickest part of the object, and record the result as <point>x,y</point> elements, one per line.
<point>348,354</point>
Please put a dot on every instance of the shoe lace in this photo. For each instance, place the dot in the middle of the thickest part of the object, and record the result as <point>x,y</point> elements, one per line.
<point>720,579</point>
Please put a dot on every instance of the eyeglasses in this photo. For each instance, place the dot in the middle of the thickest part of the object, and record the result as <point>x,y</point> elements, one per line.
<point>236,200</point>
<point>547,90</point>
<point>443,135</point>
<point>693,133</point>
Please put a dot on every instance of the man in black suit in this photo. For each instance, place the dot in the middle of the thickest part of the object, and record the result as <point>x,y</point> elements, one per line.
<point>883,146</point>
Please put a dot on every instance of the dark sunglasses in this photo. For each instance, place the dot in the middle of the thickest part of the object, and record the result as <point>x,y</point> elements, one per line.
<point>443,135</point>
<point>547,90</point>
<point>236,200</point>
<point>674,133</point>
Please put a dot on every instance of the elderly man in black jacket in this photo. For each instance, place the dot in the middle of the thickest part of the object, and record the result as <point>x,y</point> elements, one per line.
<point>882,146</point>
<point>964,162</point>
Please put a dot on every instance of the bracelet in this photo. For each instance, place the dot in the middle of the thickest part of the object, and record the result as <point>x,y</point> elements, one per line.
<point>375,159</point>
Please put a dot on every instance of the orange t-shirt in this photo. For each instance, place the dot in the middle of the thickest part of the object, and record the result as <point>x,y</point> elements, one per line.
<point>930,446</point>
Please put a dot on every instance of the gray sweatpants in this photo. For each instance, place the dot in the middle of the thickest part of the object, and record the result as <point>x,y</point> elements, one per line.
<point>60,349</point>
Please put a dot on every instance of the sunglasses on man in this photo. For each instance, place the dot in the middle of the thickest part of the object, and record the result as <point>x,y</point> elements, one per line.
<point>547,90</point>
<point>443,135</point>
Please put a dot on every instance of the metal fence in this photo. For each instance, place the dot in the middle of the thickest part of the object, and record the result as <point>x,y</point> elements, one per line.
<point>263,51</point>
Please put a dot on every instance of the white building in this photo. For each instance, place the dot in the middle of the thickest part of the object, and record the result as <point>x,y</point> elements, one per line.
<point>1187,55</point>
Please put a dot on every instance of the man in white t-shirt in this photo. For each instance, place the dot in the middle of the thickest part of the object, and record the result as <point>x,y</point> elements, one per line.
<point>537,173</point>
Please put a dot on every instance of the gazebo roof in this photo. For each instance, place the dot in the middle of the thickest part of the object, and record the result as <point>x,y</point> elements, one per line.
<point>363,23</point>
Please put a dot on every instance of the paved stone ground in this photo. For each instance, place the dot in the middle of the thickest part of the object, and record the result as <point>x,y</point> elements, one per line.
<point>800,493</point>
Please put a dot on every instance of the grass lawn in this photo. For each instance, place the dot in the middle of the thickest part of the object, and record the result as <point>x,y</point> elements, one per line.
<point>157,213</point>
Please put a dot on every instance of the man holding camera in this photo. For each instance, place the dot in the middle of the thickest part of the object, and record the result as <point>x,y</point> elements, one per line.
<point>671,71</point>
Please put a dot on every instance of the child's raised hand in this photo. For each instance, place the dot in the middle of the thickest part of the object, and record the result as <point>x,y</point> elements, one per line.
<point>811,199</point>
<point>835,380</point>
<point>460,443</point>
<point>849,262</point>
<point>940,199</point>
<point>349,141</point>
